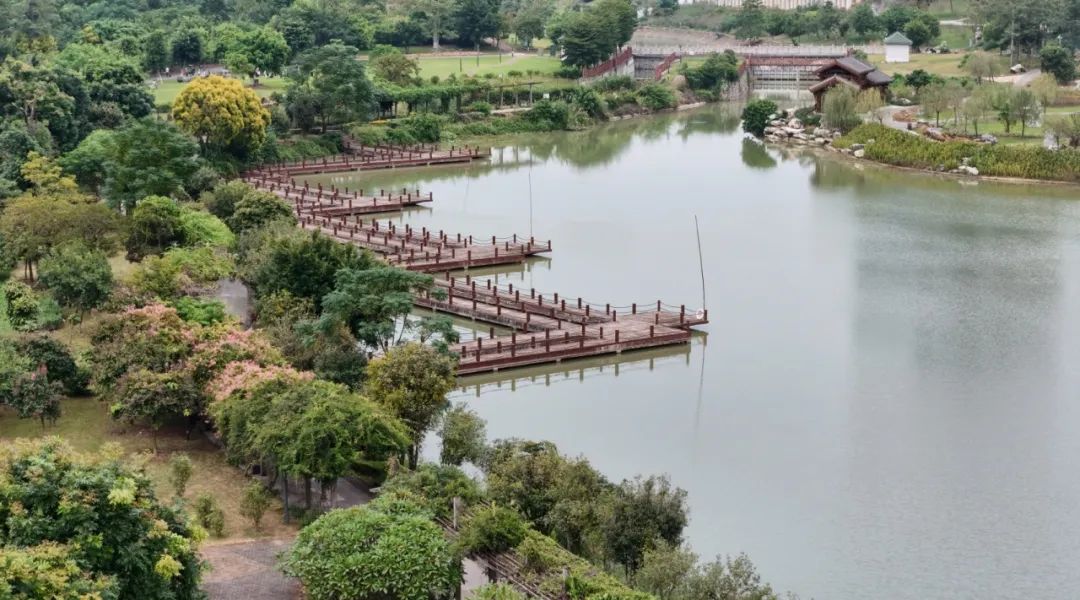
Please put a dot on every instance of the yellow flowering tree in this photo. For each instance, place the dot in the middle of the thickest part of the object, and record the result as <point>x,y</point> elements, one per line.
<point>222,114</point>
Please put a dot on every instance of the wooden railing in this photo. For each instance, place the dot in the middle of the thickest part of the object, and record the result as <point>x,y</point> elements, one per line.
<point>662,68</point>
<point>609,65</point>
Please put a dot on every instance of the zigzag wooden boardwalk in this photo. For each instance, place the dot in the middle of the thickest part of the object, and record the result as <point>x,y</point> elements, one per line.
<point>543,329</point>
<point>335,202</point>
<point>364,158</point>
<point>426,250</point>
<point>552,329</point>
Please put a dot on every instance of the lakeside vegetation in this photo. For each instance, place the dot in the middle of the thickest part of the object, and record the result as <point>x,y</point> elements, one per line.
<point>898,148</point>
<point>119,219</point>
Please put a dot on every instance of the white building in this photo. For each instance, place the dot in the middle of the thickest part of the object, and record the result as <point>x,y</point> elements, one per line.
<point>781,4</point>
<point>897,48</point>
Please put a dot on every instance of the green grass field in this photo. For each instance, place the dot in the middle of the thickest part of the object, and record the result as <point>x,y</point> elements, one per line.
<point>166,91</point>
<point>444,66</point>
<point>950,9</point>
<point>946,65</point>
<point>957,38</point>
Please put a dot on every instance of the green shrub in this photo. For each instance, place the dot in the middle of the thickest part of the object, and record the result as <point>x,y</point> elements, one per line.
<point>552,114</point>
<point>546,561</point>
<point>369,135</point>
<point>717,71</point>
<point>180,469</point>
<point>755,116</point>
<point>209,515</point>
<point>22,306</point>
<point>256,501</point>
<point>481,107</point>
<point>362,553</point>
<point>808,116</point>
<point>656,96</point>
<point>615,83</point>
<point>497,591</point>
<point>420,128</point>
<point>199,310</point>
<point>568,72</point>
<point>492,529</point>
<point>591,103</point>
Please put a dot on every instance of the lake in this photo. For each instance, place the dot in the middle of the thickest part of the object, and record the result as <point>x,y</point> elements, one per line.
<point>886,403</point>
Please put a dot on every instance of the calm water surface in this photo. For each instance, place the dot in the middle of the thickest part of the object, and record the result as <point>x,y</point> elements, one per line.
<point>887,401</point>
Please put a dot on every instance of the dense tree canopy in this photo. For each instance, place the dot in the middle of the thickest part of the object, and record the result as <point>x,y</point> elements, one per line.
<point>109,531</point>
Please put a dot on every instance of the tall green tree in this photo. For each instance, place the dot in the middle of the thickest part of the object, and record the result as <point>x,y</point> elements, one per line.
<point>331,82</point>
<point>464,437</point>
<point>374,302</point>
<point>144,158</point>
<point>475,20</point>
<point>261,50</point>
<point>1059,62</point>
<point>78,277</point>
<point>863,20</point>
<point>645,511</point>
<point>411,382</point>
<point>438,15</point>
<point>750,22</point>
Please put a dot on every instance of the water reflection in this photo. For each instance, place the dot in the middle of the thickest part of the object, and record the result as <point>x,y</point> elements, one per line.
<point>888,404</point>
<point>755,155</point>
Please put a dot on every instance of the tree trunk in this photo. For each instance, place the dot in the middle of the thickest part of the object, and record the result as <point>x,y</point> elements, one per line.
<point>414,456</point>
<point>285,480</point>
<point>435,38</point>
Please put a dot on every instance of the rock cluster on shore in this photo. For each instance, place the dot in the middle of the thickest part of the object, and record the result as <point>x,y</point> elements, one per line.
<point>786,128</point>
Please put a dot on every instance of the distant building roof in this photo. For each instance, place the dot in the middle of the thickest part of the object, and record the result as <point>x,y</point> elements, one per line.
<point>834,80</point>
<point>898,39</point>
<point>857,68</point>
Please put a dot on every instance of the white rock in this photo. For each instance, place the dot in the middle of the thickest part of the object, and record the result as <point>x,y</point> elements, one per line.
<point>858,153</point>
<point>795,123</point>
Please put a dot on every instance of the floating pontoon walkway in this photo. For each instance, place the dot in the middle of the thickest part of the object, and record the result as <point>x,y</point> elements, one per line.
<point>336,202</point>
<point>552,329</point>
<point>426,250</point>
<point>364,158</point>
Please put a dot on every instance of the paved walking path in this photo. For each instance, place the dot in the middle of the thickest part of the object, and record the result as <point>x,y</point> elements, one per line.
<point>246,570</point>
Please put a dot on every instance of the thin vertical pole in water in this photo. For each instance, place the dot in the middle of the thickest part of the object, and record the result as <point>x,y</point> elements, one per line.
<point>701,263</point>
<point>530,198</point>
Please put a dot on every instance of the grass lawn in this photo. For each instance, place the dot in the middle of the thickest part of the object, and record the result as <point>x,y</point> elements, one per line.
<point>86,425</point>
<point>167,90</point>
<point>946,65</point>
<point>950,9</point>
<point>1063,110</point>
<point>957,38</point>
<point>444,66</point>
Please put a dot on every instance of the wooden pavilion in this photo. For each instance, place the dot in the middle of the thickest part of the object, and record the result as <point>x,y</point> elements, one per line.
<point>849,71</point>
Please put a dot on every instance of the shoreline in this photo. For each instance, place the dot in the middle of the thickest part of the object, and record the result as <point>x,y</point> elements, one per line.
<point>826,151</point>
